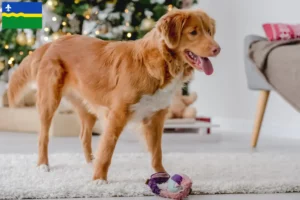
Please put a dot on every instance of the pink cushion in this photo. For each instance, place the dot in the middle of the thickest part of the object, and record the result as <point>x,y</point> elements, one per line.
<point>281,31</point>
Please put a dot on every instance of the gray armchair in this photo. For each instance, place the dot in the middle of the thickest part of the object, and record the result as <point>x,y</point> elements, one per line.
<point>272,66</point>
<point>256,82</point>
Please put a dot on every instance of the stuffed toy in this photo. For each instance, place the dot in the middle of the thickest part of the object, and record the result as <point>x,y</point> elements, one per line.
<point>180,106</point>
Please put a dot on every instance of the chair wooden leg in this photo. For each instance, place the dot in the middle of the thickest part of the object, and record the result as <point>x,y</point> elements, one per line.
<point>261,107</point>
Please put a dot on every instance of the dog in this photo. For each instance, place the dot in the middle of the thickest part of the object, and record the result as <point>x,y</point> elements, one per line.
<point>127,81</point>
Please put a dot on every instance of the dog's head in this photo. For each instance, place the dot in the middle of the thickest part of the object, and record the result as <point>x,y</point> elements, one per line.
<point>191,35</point>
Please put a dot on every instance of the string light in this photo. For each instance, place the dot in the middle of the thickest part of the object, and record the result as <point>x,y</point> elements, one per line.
<point>85,32</point>
<point>97,32</point>
<point>46,29</point>
<point>87,17</point>
<point>76,1</point>
<point>50,3</point>
<point>21,53</point>
<point>170,7</point>
<point>54,19</point>
<point>46,38</point>
<point>68,15</point>
<point>30,52</point>
<point>126,10</point>
<point>69,34</point>
<point>96,12</point>
<point>129,35</point>
<point>6,46</point>
<point>10,61</point>
<point>64,23</point>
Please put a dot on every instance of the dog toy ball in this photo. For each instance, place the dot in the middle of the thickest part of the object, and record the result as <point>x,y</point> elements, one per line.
<point>177,187</point>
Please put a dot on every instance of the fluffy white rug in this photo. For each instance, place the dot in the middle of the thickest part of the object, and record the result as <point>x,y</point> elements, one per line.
<point>211,174</point>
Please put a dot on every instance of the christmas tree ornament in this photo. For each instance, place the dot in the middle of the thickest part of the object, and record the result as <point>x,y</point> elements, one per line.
<point>186,4</point>
<point>75,25</point>
<point>57,35</point>
<point>130,7</point>
<point>21,39</point>
<point>111,2</point>
<point>1,65</point>
<point>103,28</point>
<point>148,23</point>
<point>31,41</point>
<point>157,1</point>
<point>128,27</point>
<point>51,4</point>
<point>87,14</point>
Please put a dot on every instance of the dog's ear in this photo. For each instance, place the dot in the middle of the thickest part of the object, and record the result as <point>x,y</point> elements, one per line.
<point>170,27</point>
<point>212,26</point>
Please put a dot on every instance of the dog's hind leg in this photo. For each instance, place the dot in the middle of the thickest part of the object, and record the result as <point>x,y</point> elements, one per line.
<point>88,121</point>
<point>50,81</point>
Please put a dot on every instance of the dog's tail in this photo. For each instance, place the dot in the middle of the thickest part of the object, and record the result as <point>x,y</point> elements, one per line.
<point>23,75</point>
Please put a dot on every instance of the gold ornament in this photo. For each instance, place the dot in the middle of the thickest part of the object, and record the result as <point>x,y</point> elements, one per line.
<point>147,24</point>
<point>51,4</point>
<point>21,39</point>
<point>1,66</point>
<point>87,13</point>
<point>113,2</point>
<point>57,35</point>
<point>31,41</point>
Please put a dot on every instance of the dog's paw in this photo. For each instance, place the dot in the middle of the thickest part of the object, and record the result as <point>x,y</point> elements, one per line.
<point>100,182</point>
<point>43,168</point>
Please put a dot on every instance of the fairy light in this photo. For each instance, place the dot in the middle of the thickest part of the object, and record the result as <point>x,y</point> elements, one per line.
<point>54,19</point>
<point>76,1</point>
<point>69,34</point>
<point>49,3</point>
<point>126,10</point>
<point>85,32</point>
<point>10,61</point>
<point>64,23</point>
<point>21,53</point>
<point>6,46</point>
<point>46,29</point>
<point>129,35</point>
<point>97,32</point>
<point>30,52</point>
<point>46,38</point>
<point>68,15</point>
<point>170,7</point>
<point>87,16</point>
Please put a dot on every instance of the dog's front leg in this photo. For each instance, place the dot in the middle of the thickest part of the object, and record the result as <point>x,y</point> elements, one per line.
<point>153,130</point>
<point>116,120</point>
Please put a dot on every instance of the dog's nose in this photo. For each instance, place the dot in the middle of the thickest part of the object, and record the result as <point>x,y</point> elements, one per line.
<point>216,50</point>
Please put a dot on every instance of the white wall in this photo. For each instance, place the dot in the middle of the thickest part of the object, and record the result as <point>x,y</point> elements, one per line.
<point>225,95</point>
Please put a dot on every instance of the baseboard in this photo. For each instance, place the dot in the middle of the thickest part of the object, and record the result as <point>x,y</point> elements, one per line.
<point>245,126</point>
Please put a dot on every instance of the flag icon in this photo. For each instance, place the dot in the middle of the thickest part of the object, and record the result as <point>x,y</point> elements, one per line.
<point>22,15</point>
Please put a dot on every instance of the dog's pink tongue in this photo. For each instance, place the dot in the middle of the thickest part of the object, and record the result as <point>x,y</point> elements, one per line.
<point>206,66</point>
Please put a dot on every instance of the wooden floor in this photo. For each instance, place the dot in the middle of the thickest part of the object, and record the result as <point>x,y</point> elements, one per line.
<point>216,142</point>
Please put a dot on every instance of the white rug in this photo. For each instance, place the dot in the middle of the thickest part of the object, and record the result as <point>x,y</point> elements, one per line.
<point>211,173</point>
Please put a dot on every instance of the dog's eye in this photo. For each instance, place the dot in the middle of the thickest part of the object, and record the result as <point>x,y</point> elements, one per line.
<point>194,32</point>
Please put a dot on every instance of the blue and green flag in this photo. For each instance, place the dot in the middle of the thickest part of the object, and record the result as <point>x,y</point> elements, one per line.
<point>22,15</point>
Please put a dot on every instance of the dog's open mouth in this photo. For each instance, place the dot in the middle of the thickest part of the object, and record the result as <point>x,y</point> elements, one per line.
<point>200,63</point>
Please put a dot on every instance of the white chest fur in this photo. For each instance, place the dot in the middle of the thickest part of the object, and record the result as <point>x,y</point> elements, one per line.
<point>161,99</point>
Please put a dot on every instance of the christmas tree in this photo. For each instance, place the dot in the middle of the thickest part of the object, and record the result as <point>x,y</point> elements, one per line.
<point>104,19</point>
